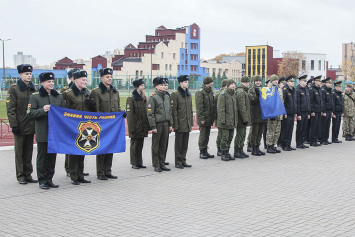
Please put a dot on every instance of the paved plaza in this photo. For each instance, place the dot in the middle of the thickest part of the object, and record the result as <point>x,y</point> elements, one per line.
<point>307,192</point>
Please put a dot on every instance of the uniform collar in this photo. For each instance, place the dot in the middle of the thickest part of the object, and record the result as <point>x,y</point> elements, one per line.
<point>183,92</point>
<point>77,92</point>
<point>105,89</point>
<point>43,92</point>
<point>22,86</point>
<point>136,95</point>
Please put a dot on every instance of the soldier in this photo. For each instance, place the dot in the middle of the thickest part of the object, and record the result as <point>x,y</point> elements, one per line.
<point>216,95</point>
<point>306,139</point>
<point>316,102</point>
<point>70,76</point>
<point>349,112</point>
<point>78,98</point>
<point>205,115</point>
<point>326,93</point>
<point>265,124</point>
<point>160,120</point>
<point>17,99</point>
<point>227,118</point>
<point>290,103</point>
<point>274,125</point>
<point>107,100</point>
<point>338,105</point>
<point>137,120</point>
<point>182,113</point>
<point>244,120</point>
<point>39,105</point>
<point>282,84</point>
<point>257,127</point>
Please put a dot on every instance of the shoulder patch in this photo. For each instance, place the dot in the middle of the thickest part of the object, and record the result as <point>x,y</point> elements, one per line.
<point>131,96</point>
<point>13,84</point>
<point>35,93</point>
<point>67,90</point>
<point>95,88</point>
<point>284,88</point>
<point>153,94</point>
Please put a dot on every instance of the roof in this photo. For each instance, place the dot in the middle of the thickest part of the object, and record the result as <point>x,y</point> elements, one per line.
<point>120,61</point>
<point>230,59</point>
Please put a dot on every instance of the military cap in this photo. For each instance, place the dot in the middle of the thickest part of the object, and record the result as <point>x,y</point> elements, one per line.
<point>79,74</point>
<point>245,79</point>
<point>303,78</point>
<point>256,78</point>
<point>183,78</point>
<point>349,85</point>
<point>282,79</point>
<point>229,82</point>
<point>317,78</point>
<point>45,76</point>
<point>207,80</point>
<point>337,83</point>
<point>273,78</point>
<point>224,82</point>
<point>328,79</point>
<point>71,71</point>
<point>105,71</point>
<point>160,80</point>
<point>136,83</point>
<point>310,81</point>
<point>291,78</point>
<point>24,68</point>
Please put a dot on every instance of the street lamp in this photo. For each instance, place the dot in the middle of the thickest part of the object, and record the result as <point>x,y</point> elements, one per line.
<point>3,63</point>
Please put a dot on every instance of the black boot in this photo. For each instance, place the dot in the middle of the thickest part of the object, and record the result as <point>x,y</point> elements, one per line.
<point>224,156</point>
<point>238,154</point>
<point>261,152</point>
<point>230,156</point>
<point>270,150</point>
<point>275,149</point>
<point>245,155</point>
<point>208,154</point>
<point>203,154</point>
<point>219,152</point>
<point>255,151</point>
<point>250,148</point>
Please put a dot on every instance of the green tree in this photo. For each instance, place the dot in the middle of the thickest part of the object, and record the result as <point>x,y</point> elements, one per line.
<point>224,75</point>
<point>214,75</point>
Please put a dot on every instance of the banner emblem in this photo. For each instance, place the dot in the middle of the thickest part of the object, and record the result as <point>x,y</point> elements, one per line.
<point>89,136</point>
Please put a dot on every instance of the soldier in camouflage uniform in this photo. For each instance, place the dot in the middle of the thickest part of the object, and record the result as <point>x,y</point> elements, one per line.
<point>349,112</point>
<point>244,119</point>
<point>205,115</point>
<point>216,95</point>
<point>274,125</point>
<point>227,118</point>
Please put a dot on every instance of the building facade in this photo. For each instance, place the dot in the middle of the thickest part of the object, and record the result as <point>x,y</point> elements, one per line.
<point>240,59</point>
<point>316,65</point>
<point>232,70</point>
<point>20,58</point>
<point>259,61</point>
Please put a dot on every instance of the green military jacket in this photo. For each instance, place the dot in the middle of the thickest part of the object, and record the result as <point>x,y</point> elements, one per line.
<point>280,117</point>
<point>75,99</point>
<point>181,106</point>
<point>243,105</point>
<point>66,87</point>
<point>159,109</point>
<point>17,102</point>
<point>205,106</point>
<point>107,100</point>
<point>215,100</point>
<point>137,118</point>
<point>227,110</point>
<point>36,112</point>
<point>255,109</point>
<point>349,108</point>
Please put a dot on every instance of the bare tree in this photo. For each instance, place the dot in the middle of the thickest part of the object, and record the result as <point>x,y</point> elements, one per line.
<point>348,69</point>
<point>293,63</point>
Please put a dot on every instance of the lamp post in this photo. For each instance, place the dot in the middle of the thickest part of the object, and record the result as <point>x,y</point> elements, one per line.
<point>3,63</point>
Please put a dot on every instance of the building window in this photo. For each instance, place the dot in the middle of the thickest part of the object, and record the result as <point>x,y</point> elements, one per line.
<point>141,73</point>
<point>186,68</point>
<point>226,71</point>
<point>182,56</point>
<point>178,67</point>
<point>192,68</point>
<point>166,67</point>
<point>324,65</point>
<point>185,45</point>
<point>162,55</point>
<point>207,70</point>
<point>170,67</point>
<point>319,65</point>
<point>192,46</point>
<point>129,55</point>
<point>173,55</point>
<point>213,70</point>
<point>157,33</point>
<point>136,73</point>
<point>312,64</point>
<point>220,71</point>
<point>182,45</point>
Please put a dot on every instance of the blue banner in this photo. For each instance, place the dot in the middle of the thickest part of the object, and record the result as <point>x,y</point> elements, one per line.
<point>270,103</point>
<point>77,132</point>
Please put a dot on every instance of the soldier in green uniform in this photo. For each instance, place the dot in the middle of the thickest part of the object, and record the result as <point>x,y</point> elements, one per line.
<point>205,115</point>
<point>160,121</point>
<point>107,100</point>
<point>257,127</point>
<point>39,105</point>
<point>215,97</point>
<point>78,98</point>
<point>137,120</point>
<point>244,118</point>
<point>181,106</point>
<point>349,112</point>
<point>227,118</point>
<point>23,129</point>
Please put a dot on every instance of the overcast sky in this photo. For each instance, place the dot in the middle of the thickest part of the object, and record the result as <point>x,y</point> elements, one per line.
<point>51,30</point>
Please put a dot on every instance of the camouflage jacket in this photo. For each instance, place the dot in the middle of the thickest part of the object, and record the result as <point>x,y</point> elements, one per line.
<point>227,110</point>
<point>205,106</point>
<point>255,110</point>
<point>349,108</point>
<point>243,105</point>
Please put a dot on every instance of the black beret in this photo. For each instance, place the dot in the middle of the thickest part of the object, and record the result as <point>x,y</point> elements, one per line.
<point>105,71</point>
<point>71,71</point>
<point>138,82</point>
<point>160,80</point>
<point>304,77</point>
<point>45,76</point>
<point>291,78</point>
<point>328,79</point>
<point>317,78</point>
<point>24,68</point>
<point>337,83</point>
<point>183,78</point>
<point>79,74</point>
<point>282,79</point>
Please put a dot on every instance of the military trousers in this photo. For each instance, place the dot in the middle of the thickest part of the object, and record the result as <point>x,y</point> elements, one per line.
<point>136,151</point>
<point>282,132</point>
<point>301,128</point>
<point>336,126</point>
<point>315,128</point>
<point>181,146</point>
<point>264,134</point>
<point>240,137</point>
<point>273,132</point>
<point>76,167</point>
<point>286,134</point>
<point>104,164</point>
<point>218,140</point>
<point>348,125</point>
<point>66,163</point>
<point>204,137</point>
<point>325,125</point>
<point>256,133</point>
<point>249,134</point>
<point>23,156</point>
<point>45,163</point>
<point>308,127</point>
<point>226,138</point>
<point>160,144</point>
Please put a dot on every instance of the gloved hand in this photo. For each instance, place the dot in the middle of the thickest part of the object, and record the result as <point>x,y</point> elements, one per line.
<point>90,102</point>
<point>245,123</point>
<point>124,115</point>
<point>257,91</point>
<point>16,130</point>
